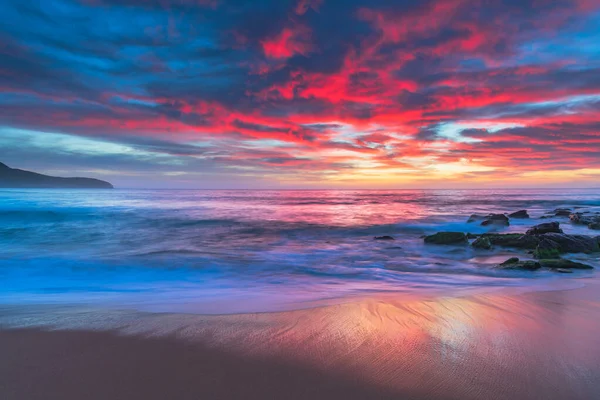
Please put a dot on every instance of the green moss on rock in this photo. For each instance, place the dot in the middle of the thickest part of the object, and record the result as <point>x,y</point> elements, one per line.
<point>482,243</point>
<point>515,263</point>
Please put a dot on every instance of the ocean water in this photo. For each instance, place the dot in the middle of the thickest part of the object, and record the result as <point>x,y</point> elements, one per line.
<point>258,251</point>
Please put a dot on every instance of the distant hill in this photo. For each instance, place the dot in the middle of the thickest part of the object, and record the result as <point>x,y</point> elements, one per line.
<point>18,178</point>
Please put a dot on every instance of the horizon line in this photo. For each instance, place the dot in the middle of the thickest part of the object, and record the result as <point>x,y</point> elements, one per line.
<point>361,189</point>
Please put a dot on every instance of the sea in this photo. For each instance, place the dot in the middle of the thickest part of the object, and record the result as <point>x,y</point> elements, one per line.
<point>246,251</point>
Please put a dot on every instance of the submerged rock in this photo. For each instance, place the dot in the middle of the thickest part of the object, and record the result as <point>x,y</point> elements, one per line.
<point>490,219</point>
<point>515,263</point>
<point>386,237</point>
<point>562,270</point>
<point>519,214</point>
<point>446,238</point>
<point>548,227</point>
<point>563,264</point>
<point>562,212</point>
<point>496,219</point>
<point>476,217</point>
<point>482,243</point>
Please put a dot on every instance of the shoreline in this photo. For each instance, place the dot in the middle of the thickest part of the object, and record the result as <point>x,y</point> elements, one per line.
<point>542,344</point>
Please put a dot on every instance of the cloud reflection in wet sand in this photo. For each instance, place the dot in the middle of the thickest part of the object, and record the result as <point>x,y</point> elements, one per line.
<point>534,345</point>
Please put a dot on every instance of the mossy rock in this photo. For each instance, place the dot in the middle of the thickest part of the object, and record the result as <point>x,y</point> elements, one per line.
<point>546,253</point>
<point>563,264</point>
<point>515,263</point>
<point>569,243</point>
<point>482,243</point>
<point>517,240</point>
<point>547,249</point>
<point>447,238</point>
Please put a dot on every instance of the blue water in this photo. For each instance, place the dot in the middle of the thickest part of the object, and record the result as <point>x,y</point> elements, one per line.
<point>247,251</point>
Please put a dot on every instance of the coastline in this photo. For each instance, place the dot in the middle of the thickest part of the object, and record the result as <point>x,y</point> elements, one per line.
<point>542,344</point>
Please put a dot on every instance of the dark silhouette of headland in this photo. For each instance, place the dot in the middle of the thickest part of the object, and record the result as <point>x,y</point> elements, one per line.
<point>18,178</point>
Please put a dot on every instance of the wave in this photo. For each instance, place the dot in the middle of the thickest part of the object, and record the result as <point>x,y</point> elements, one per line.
<point>217,245</point>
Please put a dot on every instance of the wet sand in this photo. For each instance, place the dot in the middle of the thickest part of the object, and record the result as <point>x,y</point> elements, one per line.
<point>497,346</point>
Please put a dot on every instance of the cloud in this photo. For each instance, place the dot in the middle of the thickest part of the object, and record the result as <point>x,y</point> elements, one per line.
<point>455,91</point>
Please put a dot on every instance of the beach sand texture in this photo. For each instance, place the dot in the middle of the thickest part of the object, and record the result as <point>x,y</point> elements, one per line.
<point>498,346</point>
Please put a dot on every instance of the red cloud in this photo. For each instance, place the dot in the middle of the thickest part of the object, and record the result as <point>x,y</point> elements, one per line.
<point>288,43</point>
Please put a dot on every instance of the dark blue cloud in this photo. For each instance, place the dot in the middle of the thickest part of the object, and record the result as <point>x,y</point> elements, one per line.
<point>158,76</point>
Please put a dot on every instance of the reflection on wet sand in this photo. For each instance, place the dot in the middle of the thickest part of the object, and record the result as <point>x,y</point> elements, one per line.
<point>534,345</point>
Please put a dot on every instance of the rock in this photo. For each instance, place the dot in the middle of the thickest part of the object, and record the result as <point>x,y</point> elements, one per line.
<point>553,264</point>
<point>496,219</point>
<point>580,218</point>
<point>545,245</point>
<point>473,235</point>
<point>562,270</point>
<point>490,219</point>
<point>517,240</point>
<point>563,264</point>
<point>482,243</point>
<point>384,238</point>
<point>511,260</point>
<point>572,243</point>
<point>519,214</point>
<point>577,218</point>
<point>446,238</point>
<point>562,212</point>
<point>595,226</point>
<point>546,227</point>
<point>475,217</point>
<point>515,263</point>
<point>546,249</point>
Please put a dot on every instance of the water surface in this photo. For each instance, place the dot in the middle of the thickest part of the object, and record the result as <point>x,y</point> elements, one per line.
<point>249,251</point>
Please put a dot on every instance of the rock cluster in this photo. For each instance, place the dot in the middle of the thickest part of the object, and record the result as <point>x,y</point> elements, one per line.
<point>498,219</point>
<point>591,220</point>
<point>546,242</point>
<point>560,265</point>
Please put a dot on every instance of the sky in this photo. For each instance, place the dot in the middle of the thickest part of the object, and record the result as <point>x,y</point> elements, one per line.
<point>303,93</point>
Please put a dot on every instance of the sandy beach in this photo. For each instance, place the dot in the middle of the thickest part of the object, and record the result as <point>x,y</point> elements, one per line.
<point>498,346</point>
